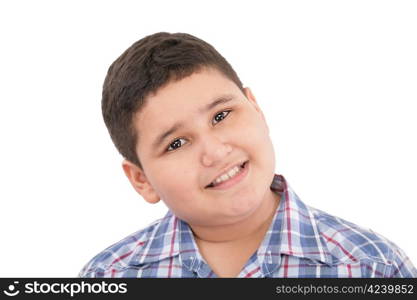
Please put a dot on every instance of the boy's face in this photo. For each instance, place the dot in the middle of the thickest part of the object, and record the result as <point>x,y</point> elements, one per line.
<point>207,140</point>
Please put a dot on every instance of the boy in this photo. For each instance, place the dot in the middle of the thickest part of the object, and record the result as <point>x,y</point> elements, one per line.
<point>195,138</point>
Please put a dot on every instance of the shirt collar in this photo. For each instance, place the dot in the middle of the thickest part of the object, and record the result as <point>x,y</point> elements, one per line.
<point>293,232</point>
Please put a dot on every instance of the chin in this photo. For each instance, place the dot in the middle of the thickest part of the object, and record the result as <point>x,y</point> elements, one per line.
<point>245,206</point>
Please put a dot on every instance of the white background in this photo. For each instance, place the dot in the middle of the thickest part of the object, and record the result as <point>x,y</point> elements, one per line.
<point>336,80</point>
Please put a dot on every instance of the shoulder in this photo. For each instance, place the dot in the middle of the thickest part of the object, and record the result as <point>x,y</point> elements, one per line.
<point>349,243</point>
<point>122,252</point>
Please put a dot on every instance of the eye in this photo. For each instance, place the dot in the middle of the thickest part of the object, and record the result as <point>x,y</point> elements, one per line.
<point>175,144</point>
<point>220,116</point>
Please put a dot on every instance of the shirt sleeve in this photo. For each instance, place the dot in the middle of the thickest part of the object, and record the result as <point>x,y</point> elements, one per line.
<point>94,268</point>
<point>402,265</point>
<point>87,272</point>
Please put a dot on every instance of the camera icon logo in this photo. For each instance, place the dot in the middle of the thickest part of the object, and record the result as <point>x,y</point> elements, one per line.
<point>12,289</point>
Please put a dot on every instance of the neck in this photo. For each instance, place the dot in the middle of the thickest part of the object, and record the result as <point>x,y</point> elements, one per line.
<point>253,226</point>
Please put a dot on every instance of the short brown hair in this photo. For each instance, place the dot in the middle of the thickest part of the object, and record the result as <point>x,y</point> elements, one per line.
<point>145,67</point>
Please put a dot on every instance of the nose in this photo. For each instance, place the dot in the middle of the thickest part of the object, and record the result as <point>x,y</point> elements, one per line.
<point>214,151</point>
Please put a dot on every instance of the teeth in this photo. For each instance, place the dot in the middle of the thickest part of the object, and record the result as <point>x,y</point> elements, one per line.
<point>231,173</point>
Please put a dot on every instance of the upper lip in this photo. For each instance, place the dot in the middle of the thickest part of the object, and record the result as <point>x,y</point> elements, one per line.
<point>227,168</point>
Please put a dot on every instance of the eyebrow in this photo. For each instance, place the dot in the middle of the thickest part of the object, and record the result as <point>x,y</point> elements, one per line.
<point>178,125</point>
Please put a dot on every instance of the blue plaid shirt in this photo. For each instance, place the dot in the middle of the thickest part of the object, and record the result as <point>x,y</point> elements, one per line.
<point>301,242</point>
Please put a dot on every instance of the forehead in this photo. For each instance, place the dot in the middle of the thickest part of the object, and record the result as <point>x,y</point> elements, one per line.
<point>182,99</point>
<point>190,91</point>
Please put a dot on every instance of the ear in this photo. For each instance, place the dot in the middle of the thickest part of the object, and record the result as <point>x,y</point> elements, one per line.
<point>249,95</point>
<point>139,182</point>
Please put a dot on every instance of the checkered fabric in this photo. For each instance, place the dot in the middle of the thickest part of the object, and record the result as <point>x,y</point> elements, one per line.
<point>301,242</point>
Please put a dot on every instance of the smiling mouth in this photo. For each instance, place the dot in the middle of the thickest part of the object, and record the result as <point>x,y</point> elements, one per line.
<point>227,176</point>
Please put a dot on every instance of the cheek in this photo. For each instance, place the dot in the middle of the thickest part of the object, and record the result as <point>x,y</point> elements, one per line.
<point>178,190</point>
<point>257,142</point>
<point>173,180</point>
<point>256,133</point>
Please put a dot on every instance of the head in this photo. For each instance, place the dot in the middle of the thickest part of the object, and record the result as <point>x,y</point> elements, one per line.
<point>180,116</point>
